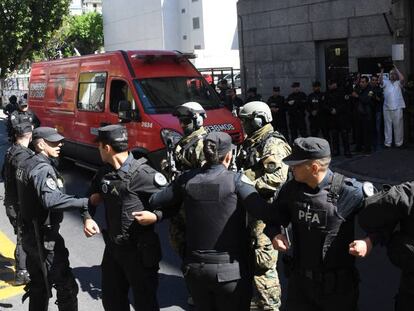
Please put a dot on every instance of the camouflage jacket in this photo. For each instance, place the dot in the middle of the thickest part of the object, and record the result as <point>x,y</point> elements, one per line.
<point>189,150</point>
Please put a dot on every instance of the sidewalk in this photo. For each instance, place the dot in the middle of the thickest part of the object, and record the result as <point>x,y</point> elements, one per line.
<point>386,166</point>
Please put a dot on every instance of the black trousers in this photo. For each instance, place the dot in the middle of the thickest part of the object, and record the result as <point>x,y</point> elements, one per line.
<point>334,291</point>
<point>19,253</point>
<point>59,274</point>
<point>404,300</point>
<point>364,132</point>
<point>218,286</point>
<point>126,267</point>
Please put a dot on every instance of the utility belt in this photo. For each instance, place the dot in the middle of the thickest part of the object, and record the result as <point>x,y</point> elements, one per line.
<point>147,243</point>
<point>211,257</point>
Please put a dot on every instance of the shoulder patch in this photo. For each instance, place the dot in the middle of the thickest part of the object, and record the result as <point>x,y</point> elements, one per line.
<point>51,183</point>
<point>160,179</point>
<point>368,189</point>
<point>12,117</point>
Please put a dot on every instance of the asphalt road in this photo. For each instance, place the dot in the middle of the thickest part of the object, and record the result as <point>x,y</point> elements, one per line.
<point>379,279</point>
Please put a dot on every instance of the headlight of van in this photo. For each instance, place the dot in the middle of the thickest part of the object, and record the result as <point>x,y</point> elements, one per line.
<point>170,136</point>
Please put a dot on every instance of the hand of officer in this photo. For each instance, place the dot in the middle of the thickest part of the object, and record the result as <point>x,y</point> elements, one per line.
<point>90,228</point>
<point>145,218</point>
<point>360,248</point>
<point>280,243</point>
<point>95,199</point>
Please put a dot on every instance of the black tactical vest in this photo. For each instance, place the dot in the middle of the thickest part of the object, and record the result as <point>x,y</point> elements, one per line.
<point>213,220</point>
<point>120,202</point>
<point>321,235</point>
<point>15,154</point>
<point>30,205</point>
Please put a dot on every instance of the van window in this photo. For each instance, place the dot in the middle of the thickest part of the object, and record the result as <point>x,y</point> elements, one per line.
<point>162,95</point>
<point>91,96</point>
<point>120,91</point>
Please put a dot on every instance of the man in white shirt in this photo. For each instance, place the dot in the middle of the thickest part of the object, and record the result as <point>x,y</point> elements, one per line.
<point>393,107</point>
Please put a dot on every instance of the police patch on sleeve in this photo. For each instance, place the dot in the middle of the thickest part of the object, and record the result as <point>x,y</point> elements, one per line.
<point>160,179</point>
<point>51,183</point>
<point>12,117</point>
<point>246,180</point>
<point>368,189</point>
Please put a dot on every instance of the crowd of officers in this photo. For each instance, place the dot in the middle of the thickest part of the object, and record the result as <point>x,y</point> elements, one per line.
<point>231,210</point>
<point>349,111</point>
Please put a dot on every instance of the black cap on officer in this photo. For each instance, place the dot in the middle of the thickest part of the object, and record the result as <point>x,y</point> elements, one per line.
<point>222,141</point>
<point>276,89</point>
<point>309,148</point>
<point>295,84</point>
<point>113,133</point>
<point>23,128</point>
<point>22,103</point>
<point>47,133</point>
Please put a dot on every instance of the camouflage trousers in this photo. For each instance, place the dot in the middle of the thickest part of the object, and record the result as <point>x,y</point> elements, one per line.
<point>177,233</point>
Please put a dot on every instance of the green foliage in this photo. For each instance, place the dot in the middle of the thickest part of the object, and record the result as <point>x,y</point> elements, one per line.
<point>25,27</point>
<point>81,32</point>
<point>86,33</point>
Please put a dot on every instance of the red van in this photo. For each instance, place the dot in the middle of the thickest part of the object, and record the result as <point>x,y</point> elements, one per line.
<point>139,89</point>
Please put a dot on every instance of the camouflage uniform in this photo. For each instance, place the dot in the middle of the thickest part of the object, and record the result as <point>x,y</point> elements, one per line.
<point>188,155</point>
<point>261,158</point>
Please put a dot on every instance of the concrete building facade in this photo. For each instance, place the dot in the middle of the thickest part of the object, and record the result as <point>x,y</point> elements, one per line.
<point>282,41</point>
<point>207,28</point>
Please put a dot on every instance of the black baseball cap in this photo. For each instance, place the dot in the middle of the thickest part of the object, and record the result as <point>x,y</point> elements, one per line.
<point>276,89</point>
<point>295,84</point>
<point>22,103</point>
<point>309,148</point>
<point>47,133</point>
<point>113,133</point>
<point>221,140</point>
<point>23,128</point>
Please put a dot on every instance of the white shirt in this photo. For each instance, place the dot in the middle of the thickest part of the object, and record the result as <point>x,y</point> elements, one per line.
<point>393,98</point>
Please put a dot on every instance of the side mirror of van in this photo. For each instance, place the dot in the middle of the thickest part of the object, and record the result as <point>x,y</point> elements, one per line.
<point>124,110</point>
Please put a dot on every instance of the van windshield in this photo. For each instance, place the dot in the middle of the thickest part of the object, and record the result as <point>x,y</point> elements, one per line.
<point>162,95</point>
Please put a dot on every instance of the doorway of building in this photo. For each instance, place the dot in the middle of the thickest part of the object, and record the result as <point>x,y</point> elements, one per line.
<point>333,61</point>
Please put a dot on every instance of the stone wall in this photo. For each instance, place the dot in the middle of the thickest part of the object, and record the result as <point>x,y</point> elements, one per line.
<point>280,37</point>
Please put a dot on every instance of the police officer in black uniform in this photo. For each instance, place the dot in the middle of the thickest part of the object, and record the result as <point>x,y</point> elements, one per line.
<point>215,263</point>
<point>389,218</point>
<point>296,108</point>
<point>317,113</point>
<point>23,114</point>
<point>339,112</point>
<point>320,205</point>
<point>42,202</point>
<point>132,252</point>
<point>15,156</point>
<point>277,105</point>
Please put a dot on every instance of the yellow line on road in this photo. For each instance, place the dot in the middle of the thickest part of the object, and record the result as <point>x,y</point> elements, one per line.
<point>7,268</point>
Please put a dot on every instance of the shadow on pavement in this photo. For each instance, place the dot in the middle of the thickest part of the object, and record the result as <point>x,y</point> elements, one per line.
<point>90,280</point>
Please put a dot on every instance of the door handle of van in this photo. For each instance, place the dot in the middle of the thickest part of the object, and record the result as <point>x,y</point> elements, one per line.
<point>104,124</point>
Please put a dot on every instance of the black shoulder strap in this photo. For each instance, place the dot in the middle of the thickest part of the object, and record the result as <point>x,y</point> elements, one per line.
<point>335,189</point>
<point>133,168</point>
<point>274,134</point>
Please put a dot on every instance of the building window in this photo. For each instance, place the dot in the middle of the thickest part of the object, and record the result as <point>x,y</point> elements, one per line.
<point>194,0</point>
<point>185,37</point>
<point>197,47</point>
<point>196,23</point>
<point>182,11</point>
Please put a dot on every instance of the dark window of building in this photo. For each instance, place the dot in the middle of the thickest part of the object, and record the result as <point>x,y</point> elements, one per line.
<point>182,11</point>
<point>196,23</point>
<point>185,37</point>
<point>194,0</point>
<point>197,47</point>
